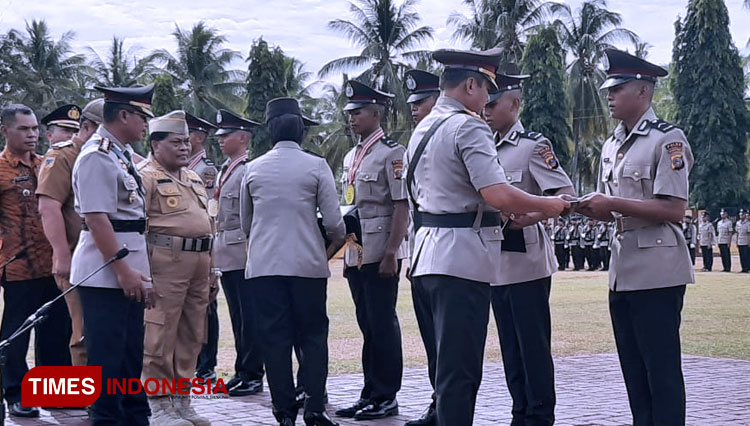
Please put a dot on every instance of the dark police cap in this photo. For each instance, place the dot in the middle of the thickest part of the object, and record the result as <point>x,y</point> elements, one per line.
<point>67,116</point>
<point>137,97</point>
<point>360,95</point>
<point>622,67</point>
<point>198,124</point>
<point>484,62</point>
<point>229,122</point>
<point>309,122</point>
<point>421,84</point>
<point>508,78</point>
<point>281,106</point>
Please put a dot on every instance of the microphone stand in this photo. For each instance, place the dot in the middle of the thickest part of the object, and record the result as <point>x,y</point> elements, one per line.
<point>40,315</point>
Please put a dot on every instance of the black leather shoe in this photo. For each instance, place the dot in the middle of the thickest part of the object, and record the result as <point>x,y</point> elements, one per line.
<point>319,419</point>
<point>429,418</point>
<point>286,421</point>
<point>246,387</point>
<point>351,411</point>
<point>18,410</point>
<point>378,410</point>
<point>206,375</point>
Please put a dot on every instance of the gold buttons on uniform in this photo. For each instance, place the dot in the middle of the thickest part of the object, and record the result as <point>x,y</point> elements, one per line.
<point>509,177</point>
<point>620,156</point>
<point>636,174</point>
<point>497,231</point>
<point>658,241</point>
<point>380,228</point>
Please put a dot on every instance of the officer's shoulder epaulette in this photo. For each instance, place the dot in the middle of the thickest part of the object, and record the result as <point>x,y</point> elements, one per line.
<point>527,134</point>
<point>61,145</point>
<point>389,142</point>
<point>192,175</point>
<point>105,145</point>
<point>207,161</point>
<point>661,125</point>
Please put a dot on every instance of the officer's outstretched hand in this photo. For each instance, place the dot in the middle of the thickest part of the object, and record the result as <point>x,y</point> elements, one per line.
<point>388,266</point>
<point>555,206</point>
<point>595,205</point>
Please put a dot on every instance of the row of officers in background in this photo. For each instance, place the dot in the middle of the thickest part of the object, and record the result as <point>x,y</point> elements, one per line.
<point>472,191</point>
<point>723,232</point>
<point>586,240</point>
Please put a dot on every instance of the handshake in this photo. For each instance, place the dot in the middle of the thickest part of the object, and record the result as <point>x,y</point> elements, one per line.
<point>594,205</point>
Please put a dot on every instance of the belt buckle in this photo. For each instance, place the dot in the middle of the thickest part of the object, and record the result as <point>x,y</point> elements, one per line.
<point>620,223</point>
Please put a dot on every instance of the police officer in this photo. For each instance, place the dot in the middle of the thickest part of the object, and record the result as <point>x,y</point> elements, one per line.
<point>206,169</point>
<point>560,238</point>
<point>575,237</point>
<point>455,181</point>
<point>725,230</point>
<point>61,222</point>
<point>109,194</point>
<point>373,181</point>
<point>706,239</point>
<point>424,89</point>
<point>743,239</point>
<point>230,251</point>
<point>643,186</point>
<point>603,234</point>
<point>691,235</point>
<point>520,299</point>
<point>179,244</point>
<point>589,240</point>
<point>280,194</point>
<point>62,123</point>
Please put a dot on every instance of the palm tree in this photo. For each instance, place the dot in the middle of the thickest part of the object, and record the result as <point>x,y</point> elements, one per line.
<point>44,68</point>
<point>585,36</point>
<point>120,67</point>
<point>501,23</point>
<point>200,70</point>
<point>387,35</point>
<point>642,48</point>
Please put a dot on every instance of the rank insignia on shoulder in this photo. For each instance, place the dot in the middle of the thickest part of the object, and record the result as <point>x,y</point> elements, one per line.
<point>531,135</point>
<point>513,136</point>
<point>549,157</point>
<point>662,125</point>
<point>60,145</point>
<point>390,143</point>
<point>398,169</point>
<point>105,145</point>
<point>166,180</point>
<point>208,161</point>
<point>674,149</point>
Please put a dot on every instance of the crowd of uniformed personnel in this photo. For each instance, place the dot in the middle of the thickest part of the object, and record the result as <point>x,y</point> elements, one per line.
<point>476,208</point>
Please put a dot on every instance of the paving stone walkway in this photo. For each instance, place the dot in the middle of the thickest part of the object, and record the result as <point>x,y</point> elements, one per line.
<point>590,392</point>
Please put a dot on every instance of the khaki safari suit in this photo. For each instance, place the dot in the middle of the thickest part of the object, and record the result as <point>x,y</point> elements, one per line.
<point>179,245</point>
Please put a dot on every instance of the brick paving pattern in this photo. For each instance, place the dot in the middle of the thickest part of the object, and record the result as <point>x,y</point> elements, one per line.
<point>590,392</point>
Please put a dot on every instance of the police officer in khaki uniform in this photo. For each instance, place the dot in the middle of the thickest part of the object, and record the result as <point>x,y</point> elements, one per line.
<point>61,222</point>
<point>706,239</point>
<point>575,237</point>
<point>179,240</point>
<point>109,194</point>
<point>230,253</point>
<point>520,299</point>
<point>373,181</point>
<point>724,229</point>
<point>590,251</point>
<point>691,236</point>
<point>455,182</point>
<point>206,169</point>
<point>280,196</point>
<point>743,239</point>
<point>643,186</point>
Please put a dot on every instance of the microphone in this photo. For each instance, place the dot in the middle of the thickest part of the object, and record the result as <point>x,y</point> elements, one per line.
<point>20,255</point>
<point>121,253</point>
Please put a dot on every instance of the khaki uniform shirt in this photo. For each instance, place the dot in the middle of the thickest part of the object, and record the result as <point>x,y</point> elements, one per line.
<point>724,229</point>
<point>280,196</point>
<point>706,234</point>
<point>55,178</point>
<point>175,206</point>
<point>653,160</point>
<point>207,172</point>
<point>743,232</point>
<point>230,243</point>
<point>530,165</point>
<point>379,181</point>
<point>102,184</point>
<point>459,160</point>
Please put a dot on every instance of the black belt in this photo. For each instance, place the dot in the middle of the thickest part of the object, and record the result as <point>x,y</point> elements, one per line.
<point>138,225</point>
<point>454,220</point>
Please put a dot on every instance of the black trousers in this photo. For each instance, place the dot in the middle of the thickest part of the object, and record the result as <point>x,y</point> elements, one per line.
<point>708,257</point>
<point>744,257</point>
<point>647,333</point>
<point>726,257</point>
<point>523,322</point>
<point>592,257</point>
<point>604,255</point>
<point>292,311</point>
<point>113,326</point>
<point>457,313</point>
<point>382,356</point>
<point>51,336</point>
<point>578,257</point>
<point>421,300</point>
<point>561,254</point>
<point>249,364</point>
<point>692,254</point>
<point>207,356</point>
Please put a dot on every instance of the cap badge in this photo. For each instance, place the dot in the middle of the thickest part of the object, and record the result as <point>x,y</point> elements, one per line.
<point>410,83</point>
<point>349,91</point>
<point>74,114</point>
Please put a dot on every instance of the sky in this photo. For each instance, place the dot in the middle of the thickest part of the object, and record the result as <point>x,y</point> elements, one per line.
<point>299,27</point>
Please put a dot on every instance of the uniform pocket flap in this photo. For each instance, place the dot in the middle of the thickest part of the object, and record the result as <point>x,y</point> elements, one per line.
<point>492,233</point>
<point>377,224</point>
<point>636,171</point>
<point>154,316</point>
<point>234,236</point>
<point>367,176</point>
<point>230,194</point>
<point>513,176</point>
<point>659,236</point>
<point>168,190</point>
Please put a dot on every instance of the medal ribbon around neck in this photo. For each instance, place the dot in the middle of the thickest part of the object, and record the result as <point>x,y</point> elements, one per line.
<point>197,159</point>
<point>366,145</point>
<point>225,176</point>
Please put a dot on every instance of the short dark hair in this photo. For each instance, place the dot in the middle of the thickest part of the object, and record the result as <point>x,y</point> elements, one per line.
<point>158,136</point>
<point>112,109</point>
<point>452,77</point>
<point>8,114</point>
<point>286,127</point>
